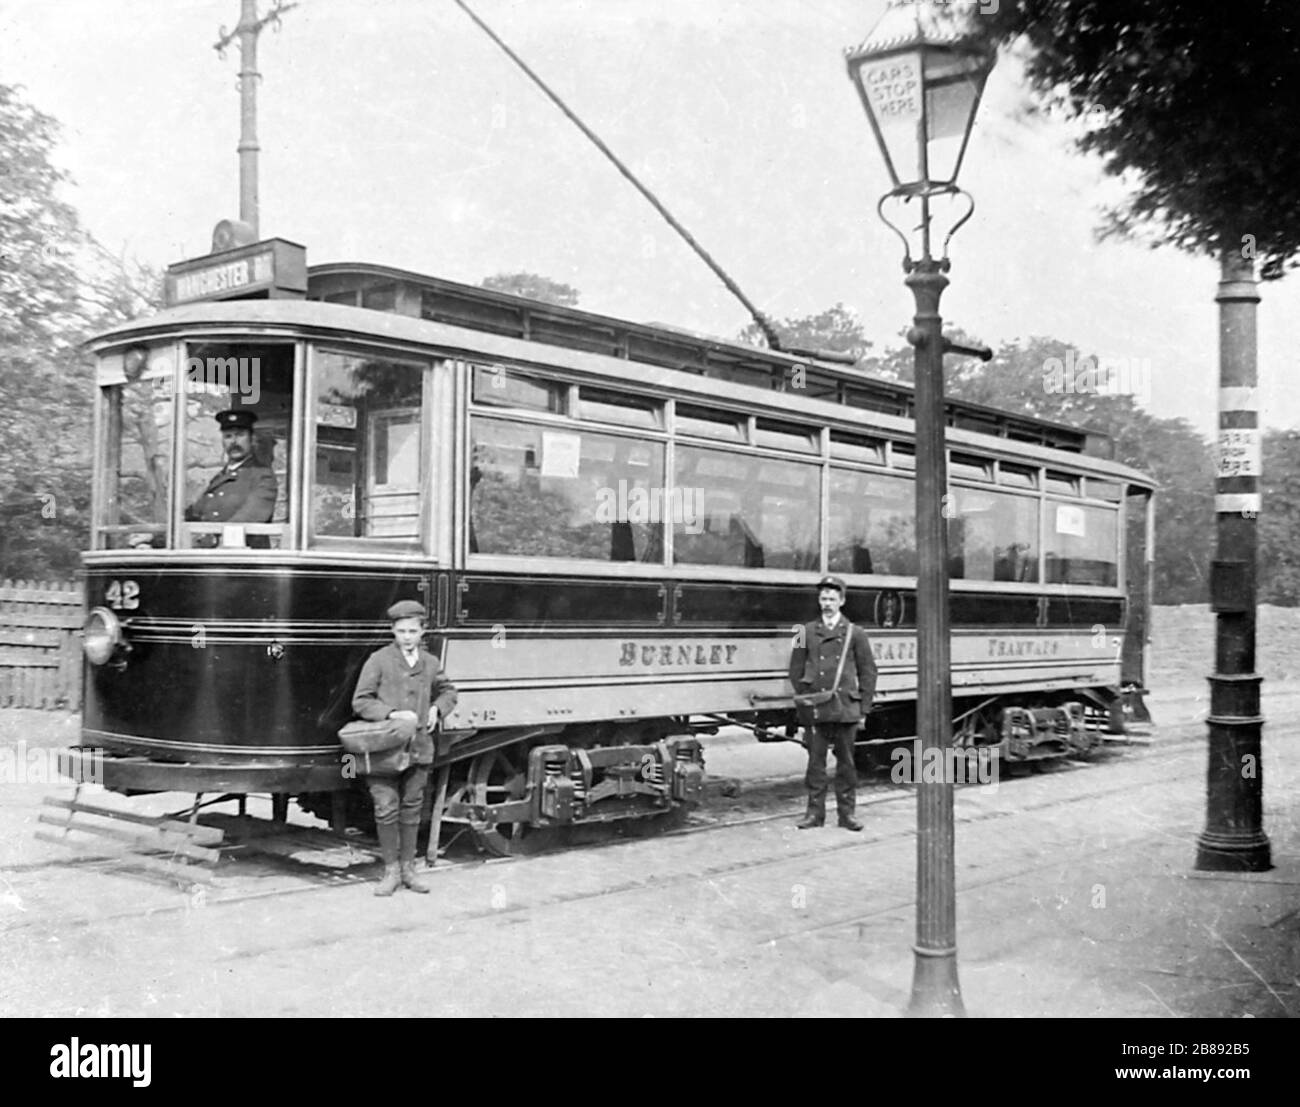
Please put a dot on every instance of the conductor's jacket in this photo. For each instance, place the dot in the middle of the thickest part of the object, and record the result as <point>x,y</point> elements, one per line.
<point>246,495</point>
<point>813,662</point>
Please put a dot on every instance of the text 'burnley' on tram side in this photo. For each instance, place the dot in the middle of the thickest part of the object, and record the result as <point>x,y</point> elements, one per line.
<point>688,654</point>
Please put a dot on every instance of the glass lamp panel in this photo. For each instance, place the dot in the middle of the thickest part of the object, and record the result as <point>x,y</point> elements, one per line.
<point>891,87</point>
<point>951,94</point>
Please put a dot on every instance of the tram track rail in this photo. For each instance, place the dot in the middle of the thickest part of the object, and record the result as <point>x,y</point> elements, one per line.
<point>886,795</point>
<point>879,794</point>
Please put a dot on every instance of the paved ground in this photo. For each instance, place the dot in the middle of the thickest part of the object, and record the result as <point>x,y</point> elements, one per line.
<point>1076,897</point>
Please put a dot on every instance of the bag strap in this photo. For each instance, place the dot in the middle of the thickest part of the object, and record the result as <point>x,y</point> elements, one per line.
<point>839,672</point>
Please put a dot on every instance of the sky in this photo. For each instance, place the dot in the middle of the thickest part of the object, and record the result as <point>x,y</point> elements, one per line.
<point>395,132</point>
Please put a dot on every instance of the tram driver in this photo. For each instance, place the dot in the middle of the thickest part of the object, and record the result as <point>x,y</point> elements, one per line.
<point>244,491</point>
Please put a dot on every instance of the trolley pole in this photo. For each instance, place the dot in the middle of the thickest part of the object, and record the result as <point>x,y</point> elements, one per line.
<point>247,31</point>
<point>248,147</point>
<point>935,988</point>
<point>1234,838</point>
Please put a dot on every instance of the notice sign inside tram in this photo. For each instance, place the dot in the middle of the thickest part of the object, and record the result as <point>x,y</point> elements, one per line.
<point>1071,520</point>
<point>561,454</point>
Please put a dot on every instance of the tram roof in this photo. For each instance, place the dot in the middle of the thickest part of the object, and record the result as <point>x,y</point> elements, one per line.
<point>433,299</point>
<point>486,309</point>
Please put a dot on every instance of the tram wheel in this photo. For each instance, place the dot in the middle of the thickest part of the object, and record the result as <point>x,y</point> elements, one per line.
<point>500,776</point>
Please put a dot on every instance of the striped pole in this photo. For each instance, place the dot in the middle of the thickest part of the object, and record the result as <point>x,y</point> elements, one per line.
<point>1234,837</point>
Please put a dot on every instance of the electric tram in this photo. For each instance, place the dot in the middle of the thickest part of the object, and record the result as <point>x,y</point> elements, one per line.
<point>614,527</point>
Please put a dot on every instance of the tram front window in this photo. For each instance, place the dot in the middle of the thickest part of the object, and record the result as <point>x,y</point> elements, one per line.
<point>137,400</point>
<point>367,479</point>
<point>238,407</point>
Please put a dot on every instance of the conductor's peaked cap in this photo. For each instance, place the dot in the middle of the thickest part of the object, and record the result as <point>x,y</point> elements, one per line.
<point>832,582</point>
<point>406,609</point>
<point>236,419</point>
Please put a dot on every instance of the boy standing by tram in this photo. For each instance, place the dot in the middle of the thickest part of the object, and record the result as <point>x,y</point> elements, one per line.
<point>403,682</point>
<point>833,670</point>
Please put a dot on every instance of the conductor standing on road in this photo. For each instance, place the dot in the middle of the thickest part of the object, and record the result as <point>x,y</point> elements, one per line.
<point>403,681</point>
<point>832,656</point>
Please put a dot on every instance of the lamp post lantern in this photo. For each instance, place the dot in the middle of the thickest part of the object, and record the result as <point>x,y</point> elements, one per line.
<point>920,74</point>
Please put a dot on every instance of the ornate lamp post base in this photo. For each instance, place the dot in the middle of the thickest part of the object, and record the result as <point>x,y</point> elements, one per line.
<point>1224,853</point>
<point>936,993</point>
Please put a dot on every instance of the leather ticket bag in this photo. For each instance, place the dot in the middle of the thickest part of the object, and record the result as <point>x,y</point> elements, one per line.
<point>379,747</point>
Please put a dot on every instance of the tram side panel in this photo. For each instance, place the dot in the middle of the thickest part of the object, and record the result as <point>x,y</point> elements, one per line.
<point>534,676</point>
<point>236,677</point>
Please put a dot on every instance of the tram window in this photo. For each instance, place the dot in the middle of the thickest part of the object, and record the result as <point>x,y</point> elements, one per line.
<point>570,493</point>
<point>1082,544</point>
<point>1105,490</point>
<point>603,406</point>
<point>137,399</point>
<point>870,401</point>
<point>782,436</point>
<point>970,467</point>
<point>347,298</point>
<point>902,455</point>
<point>1063,483</point>
<point>1017,476</point>
<point>749,511</point>
<point>740,374</point>
<point>502,387</point>
<point>872,524</point>
<point>992,536</point>
<point>368,475</point>
<point>379,297</point>
<point>851,447</point>
<point>701,422</point>
<point>226,500</point>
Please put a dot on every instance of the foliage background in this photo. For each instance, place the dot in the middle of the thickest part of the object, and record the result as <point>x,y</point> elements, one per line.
<point>58,287</point>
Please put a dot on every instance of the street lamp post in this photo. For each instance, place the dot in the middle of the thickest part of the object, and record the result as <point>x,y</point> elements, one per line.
<point>920,76</point>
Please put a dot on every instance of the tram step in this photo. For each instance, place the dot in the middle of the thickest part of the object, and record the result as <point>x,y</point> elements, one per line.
<point>305,845</point>
<point>143,839</point>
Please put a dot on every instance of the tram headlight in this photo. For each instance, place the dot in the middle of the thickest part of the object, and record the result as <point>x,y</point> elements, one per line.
<point>102,636</point>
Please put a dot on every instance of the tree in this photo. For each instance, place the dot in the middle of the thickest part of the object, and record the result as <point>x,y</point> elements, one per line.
<point>837,330</point>
<point>533,287</point>
<point>44,422</point>
<point>56,288</point>
<point>1029,377</point>
<point>1279,524</point>
<point>1192,103</point>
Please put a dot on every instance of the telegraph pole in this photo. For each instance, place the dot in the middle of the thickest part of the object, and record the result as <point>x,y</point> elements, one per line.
<point>247,31</point>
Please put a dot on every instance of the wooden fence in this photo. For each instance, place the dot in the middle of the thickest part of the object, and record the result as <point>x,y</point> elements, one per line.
<point>40,644</point>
